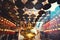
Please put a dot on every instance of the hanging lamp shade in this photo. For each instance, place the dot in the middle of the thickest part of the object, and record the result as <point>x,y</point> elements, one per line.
<point>29,5</point>
<point>47,6</point>
<point>58,1</point>
<point>19,4</point>
<point>30,0</point>
<point>40,14</point>
<point>51,1</point>
<point>38,6</point>
<point>40,1</point>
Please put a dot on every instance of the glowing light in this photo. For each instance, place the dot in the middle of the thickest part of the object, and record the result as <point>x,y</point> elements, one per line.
<point>30,35</point>
<point>4,19</point>
<point>7,20</point>
<point>17,13</point>
<point>32,11</point>
<point>58,28</point>
<point>34,31</point>
<point>1,29</point>
<point>1,20</point>
<point>17,16</point>
<point>52,30</point>
<point>35,1</point>
<point>9,30</point>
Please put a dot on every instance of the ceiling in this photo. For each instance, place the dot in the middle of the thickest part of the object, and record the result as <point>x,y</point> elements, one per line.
<point>18,10</point>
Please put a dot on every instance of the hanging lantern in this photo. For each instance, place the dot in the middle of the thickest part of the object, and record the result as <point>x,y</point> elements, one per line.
<point>47,6</point>
<point>38,6</point>
<point>19,4</point>
<point>40,1</point>
<point>51,1</point>
<point>29,5</point>
<point>30,0</point>
<point>41,12</point>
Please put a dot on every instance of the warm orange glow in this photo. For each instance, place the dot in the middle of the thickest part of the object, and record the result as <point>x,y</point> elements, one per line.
<point>7,31</point>
<point>7,23</point>
<point>30,35</point>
